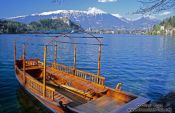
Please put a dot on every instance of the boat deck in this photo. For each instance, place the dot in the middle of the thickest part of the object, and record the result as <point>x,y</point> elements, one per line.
<point>76,100</point>
<point>104,104</point>
<point>75,83</point>
<point>108,104</point>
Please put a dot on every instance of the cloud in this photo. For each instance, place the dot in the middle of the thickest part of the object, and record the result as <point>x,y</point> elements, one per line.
<point>117,15</point>
<point>107,1</point>
<point>165,13</point>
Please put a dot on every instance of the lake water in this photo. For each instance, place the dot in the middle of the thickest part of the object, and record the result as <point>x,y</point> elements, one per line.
<point>144,64</point>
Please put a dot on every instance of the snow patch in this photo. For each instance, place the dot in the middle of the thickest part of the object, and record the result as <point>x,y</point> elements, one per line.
<point>91,10</point>
<point>117,15</point>
<point>94,10</point>
<point>17,17</point>
<point>107,1</point>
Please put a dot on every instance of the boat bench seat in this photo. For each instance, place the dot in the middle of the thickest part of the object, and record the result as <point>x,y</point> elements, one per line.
<point>86,91</point>
<point>75,82</point>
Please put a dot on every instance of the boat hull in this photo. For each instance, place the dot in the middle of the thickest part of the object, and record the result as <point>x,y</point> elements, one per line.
<point>109,99</point>
<point>46,103</point>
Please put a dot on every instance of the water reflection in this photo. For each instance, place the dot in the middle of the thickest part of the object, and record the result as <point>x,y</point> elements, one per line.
<point>28,104</point>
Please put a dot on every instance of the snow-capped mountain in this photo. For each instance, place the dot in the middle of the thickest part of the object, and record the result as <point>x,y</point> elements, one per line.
<point>92,18</point>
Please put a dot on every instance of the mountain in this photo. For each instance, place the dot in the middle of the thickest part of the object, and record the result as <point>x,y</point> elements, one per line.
<point>144,22</point>
<point>92,18</point>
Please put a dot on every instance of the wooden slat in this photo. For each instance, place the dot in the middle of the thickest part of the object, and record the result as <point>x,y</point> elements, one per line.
<point>36,87</point>
<point>103,104</point>
<point>76,82</point>
<point>81,74</point>
<point>132,105</point>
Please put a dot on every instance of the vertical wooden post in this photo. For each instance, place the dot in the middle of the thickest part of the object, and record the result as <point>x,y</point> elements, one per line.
<point>75,58</point>
<point>24,62</point>
<point>52,95</point>
<point>55,56</point>
<point>99,60</point>
<point>15,53</point>
<point>44,74</point>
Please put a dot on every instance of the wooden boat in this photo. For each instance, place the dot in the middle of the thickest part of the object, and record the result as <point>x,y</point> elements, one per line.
<point>68,89</point>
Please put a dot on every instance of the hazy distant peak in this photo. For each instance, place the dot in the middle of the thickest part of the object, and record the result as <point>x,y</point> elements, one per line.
<point>149,17</point>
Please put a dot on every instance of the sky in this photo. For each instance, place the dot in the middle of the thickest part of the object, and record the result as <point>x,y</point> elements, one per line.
<point>121,8</point>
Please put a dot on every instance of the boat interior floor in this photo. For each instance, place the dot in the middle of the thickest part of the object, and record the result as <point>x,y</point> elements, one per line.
<point>104,104</point>
<point>76,100</point>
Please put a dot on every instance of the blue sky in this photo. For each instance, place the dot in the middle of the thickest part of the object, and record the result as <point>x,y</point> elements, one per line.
<point>124,8</point>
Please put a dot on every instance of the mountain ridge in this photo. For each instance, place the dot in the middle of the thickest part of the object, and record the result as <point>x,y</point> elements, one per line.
<point>92,18</point>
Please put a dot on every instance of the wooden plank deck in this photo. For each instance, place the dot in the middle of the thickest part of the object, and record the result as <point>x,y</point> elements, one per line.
<point>104,104</point>
<point>108,104</point>
<point>132,105</point>
<point>75,82</point>
<point>76,100</point>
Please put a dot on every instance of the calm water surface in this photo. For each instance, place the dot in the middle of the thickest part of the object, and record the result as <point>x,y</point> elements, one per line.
<point>144,64</point>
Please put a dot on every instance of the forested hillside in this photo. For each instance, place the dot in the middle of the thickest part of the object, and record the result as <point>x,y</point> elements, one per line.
<point>41,26</point>
<point>166,27</point>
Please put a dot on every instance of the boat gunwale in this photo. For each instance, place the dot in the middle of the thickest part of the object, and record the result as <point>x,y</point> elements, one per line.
<point>47,87</point>
<point>35,95</point>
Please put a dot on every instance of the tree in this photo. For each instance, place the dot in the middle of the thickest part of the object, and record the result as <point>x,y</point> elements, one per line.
<point>154,6</point>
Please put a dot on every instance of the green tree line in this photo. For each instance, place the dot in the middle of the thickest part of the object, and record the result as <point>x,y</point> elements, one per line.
<point>41,26</point>
<point>166,27</point>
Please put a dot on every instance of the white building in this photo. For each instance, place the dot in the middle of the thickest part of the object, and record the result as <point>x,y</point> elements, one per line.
<point>162,28</point>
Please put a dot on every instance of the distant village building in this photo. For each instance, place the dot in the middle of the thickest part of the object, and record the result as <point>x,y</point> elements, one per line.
<point>158,32</point>
<point>174,32</point>
<point>166,31</point>
<point>65,20</point>
<point>162,28</point>
<point>169,31</point>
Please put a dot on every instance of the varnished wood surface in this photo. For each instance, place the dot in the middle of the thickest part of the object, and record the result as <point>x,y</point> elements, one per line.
<point>104,104</point>
<point>108,100</point>
<point>76,100</point>
<point>74,81</point>
<point>132,105</point>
